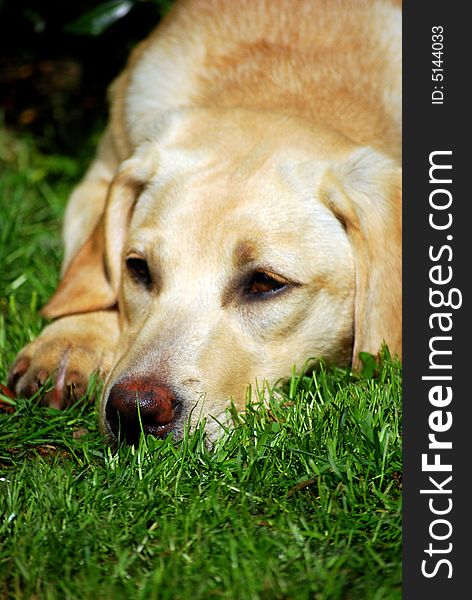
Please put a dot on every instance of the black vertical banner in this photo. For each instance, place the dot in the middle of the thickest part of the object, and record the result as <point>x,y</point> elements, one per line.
<point>437,251</point>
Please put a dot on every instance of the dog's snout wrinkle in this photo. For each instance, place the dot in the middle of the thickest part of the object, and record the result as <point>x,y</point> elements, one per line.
<point>191,381</point>
<point>141,405</point>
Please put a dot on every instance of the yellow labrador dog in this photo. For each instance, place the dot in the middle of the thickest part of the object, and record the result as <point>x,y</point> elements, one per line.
<point>242,215</point>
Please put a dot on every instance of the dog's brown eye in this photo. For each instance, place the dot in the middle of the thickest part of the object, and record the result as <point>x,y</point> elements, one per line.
<point>139,270</point>
<point>262,284</point>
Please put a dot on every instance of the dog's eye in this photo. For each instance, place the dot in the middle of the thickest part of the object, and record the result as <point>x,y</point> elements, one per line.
<point>261,284</point>
<point>139,270</point>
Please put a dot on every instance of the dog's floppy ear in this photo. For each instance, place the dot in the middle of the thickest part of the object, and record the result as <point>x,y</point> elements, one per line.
<point>364,192</point>
<point>126,188</point>
<point>84,287</point>
<point>91,279</point>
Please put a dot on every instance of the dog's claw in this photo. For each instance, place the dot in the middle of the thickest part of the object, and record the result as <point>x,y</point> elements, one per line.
<point>19,369</point>
<point>57,397</point>
<point>67,386</point>
<point>66,353</point>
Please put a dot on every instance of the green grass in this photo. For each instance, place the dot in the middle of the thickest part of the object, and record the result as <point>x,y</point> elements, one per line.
<point>300,500</point>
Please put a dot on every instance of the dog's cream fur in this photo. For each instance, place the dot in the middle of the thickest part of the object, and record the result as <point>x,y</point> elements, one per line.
<point>245,136</point>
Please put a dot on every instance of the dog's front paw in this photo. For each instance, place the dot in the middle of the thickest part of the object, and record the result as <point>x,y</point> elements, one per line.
<point>68,351</point>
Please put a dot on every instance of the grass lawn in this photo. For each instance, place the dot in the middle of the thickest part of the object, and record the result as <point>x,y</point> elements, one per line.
<point>300,500</point>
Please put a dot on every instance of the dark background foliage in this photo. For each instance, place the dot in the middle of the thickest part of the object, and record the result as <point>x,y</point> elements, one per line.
<point>57,59</point>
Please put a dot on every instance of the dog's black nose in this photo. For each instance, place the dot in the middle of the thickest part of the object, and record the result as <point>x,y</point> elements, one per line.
<point>140,405</point>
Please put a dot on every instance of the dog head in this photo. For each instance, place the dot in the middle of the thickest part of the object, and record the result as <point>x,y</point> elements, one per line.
<point>237,246</point>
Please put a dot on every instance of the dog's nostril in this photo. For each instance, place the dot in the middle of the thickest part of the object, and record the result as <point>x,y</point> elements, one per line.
<point>141,404</point>
<point>157,407</point>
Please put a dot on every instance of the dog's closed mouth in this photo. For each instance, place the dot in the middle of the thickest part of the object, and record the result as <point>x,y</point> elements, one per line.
<point>142,405</point>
